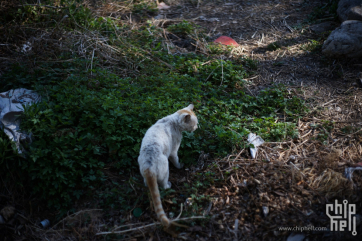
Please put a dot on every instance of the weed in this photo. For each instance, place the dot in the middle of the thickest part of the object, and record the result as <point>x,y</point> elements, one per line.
<point>324,131</point>
<point>183,29</point>
<point>348,129</point>
<point>250,63</point>
<point>144,8</point>
<point>312,46</point>
<point>274,46</point>
<point>217,49</point>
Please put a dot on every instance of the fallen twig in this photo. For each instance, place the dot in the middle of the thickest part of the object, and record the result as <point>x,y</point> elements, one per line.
<point>149,225</point>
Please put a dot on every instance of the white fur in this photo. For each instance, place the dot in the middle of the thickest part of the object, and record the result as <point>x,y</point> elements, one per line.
<point>161,143</point>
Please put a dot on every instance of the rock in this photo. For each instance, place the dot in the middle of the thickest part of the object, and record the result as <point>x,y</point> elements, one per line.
<point>226,41</point>
<point>323,27</point>
<point>160,16</point>
<point>345,41</point>
<point>355,13</point>
<point>265,211</point>
<point>162,6</point>
<point>358,219</point>
<point>295,237</point>
<point>359,80</point>
<point>345,7</point>
<point>7,212</point>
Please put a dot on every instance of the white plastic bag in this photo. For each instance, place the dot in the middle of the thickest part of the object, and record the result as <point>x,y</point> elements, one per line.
<point>11,106</point>
<point>256,141</point>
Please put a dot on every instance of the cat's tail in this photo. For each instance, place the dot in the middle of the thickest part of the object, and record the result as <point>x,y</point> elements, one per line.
<point>151,181</point>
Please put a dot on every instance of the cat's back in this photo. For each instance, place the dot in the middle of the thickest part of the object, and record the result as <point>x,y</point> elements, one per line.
<point>160,132</point>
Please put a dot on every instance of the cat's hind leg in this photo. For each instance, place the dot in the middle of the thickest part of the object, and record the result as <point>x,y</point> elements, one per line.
<point>163,173</point>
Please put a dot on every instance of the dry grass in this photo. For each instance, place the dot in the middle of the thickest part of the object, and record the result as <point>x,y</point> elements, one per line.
<point>288,184</point>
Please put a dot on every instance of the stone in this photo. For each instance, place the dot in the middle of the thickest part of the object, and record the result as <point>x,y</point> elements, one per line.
<point>296,237</point>
<point>359,80</point>
<point>344,9</point>
<point>345,41</point>
<point>226,41</point>
<point>323,27</point>
<point>355,13</point>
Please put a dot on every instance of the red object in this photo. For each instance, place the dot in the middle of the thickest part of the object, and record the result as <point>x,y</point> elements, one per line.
<point>226,41</point>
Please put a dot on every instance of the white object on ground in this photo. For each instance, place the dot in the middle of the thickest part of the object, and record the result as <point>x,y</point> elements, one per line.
<point>265,210</point>
<point>256,141</point>
<point>26,47</point>
<point>349,171</point>
<point>162,6</point>
<point>45,223</point>
<point>11,107</point>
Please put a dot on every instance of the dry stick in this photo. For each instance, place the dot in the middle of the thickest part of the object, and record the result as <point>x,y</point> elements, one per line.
<point>306,134</point>
<point>354,133</point>
<point>265,154</point>
<point>239,154</point>
<point>126,225</point>
<point>252,77</point>
<point>328,102</point>
<point>249,91</point>
<point>222,72</point>
<point>92,62</point>
<point>149,225</point>
<point>297,168</point>
<point>220,171</point>
<point>180,212</point>
<point>209,75</point>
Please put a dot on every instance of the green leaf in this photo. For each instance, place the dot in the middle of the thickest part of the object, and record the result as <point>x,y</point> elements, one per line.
<point>137,212</point>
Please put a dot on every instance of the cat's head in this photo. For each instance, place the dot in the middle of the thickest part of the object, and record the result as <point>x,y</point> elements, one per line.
<point>188,119</point>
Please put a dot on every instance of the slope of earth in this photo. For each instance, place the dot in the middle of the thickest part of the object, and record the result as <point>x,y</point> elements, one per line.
<point>289,183</point>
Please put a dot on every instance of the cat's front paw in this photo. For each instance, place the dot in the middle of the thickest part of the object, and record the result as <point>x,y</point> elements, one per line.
<point>180,165</point>
<point>168,185</point>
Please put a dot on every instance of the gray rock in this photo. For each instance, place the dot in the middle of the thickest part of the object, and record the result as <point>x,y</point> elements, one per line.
<point>345,41</point>
<point>344,9</point>
<point>323,27</point>
<point>355,13</point>
<point>160,16</point>
<point>296,237</point>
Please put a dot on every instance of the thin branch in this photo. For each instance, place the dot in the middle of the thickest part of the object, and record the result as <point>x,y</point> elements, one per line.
<point>149,225</point>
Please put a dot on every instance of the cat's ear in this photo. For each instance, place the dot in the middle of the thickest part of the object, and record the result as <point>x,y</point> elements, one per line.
<point>190,107</point>
<point>187,118</point>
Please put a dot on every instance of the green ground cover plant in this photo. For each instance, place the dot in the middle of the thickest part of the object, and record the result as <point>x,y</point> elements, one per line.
<point>91,117</point>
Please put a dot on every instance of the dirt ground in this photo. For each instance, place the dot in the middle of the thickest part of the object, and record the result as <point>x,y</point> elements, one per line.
<point>289,183</point>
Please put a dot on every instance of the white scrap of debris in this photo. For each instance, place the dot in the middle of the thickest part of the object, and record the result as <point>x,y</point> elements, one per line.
<point>11,107</point>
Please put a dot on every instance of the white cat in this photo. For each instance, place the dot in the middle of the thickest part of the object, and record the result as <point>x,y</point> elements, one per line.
<point>160,144</point>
